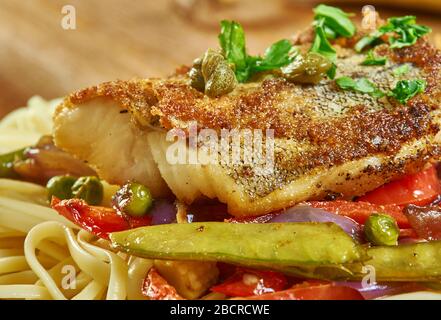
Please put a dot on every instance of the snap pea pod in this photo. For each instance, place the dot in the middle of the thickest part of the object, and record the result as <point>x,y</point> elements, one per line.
<point>269,245</point>
<point>407,262</point>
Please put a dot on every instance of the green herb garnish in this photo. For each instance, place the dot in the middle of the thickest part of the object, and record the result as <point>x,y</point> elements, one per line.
<point>403,69</point>
<point>406,29</point>
<point>276,56</point>
<point>362,85</point>
<point>330,22</point>
<point>336,21</point>
<point>322,46</point>
<point>407,89</point>
<point>372,60</point>
<point>232,42</point>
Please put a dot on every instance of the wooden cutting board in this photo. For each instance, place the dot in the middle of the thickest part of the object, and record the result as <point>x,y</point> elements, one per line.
<point>118,39</point>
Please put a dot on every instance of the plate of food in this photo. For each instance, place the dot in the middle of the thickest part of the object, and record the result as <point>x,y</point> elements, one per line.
<point>307,172</point>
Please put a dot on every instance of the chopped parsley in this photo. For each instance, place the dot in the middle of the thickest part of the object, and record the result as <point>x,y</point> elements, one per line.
<point>336,21</point>
<point>406,33</point>
<point>361,85</point>
<point>403,92</point>
<point>329,23</point>
<point>372,60</point>
<point>321,44</point>
<point>232,42</point>
<point>407,89</point>
<point>403,69</point>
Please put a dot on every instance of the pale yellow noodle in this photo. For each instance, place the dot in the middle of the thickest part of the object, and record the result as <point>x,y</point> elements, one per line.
<point>138,269</point>
<point>36,243</point>
<point>23,291</point>
<point>22,277</point>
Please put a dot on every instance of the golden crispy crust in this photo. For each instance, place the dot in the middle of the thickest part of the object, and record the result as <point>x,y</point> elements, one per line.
<point>338,126</point>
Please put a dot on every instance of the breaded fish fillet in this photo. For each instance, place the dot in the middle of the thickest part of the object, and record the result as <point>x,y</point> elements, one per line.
<point>328,142</point>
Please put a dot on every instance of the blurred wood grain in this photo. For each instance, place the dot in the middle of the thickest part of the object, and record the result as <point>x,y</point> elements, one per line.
<point>118,39</point>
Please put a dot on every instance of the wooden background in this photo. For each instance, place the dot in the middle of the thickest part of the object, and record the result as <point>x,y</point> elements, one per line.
<point>137,38</point>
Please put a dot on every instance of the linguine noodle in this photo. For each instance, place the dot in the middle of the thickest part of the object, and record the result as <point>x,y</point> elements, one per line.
<point>42,254</point>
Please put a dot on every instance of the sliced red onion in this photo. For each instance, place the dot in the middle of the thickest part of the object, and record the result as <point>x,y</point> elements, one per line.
<point>379,290</point>
<point>305,213</point>
<point>45,161</point>
<point>426,221</point>
<point>163,212</point>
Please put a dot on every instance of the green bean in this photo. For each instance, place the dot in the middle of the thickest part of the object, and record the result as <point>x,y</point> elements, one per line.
<point>61,187</point>
<point>90,189</point>
<point>381,230</point>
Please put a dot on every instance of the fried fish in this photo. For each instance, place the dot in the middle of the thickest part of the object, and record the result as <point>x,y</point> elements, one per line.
<point>328,142</point>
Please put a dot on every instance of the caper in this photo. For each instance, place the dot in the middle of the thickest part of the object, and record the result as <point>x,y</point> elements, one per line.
<point>212,74</point>
<point>218,75</point>
<point>381,230</point>
<point>196,78</point>
<point>7,163</point>
<point>90,189</point>
<point>60,187</point>
<point>133,199</point>
<point>307,68</point>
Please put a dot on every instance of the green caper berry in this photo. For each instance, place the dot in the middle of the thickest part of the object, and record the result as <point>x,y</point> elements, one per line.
<point>307,68</point>
<point>316,64</point>
<point>381,230</point>
<point>60,187</point>
<point>90,189</point>
<point>196,78</point>
<point>218,75</point>
<point>7,163</point>
<point>222,81</point>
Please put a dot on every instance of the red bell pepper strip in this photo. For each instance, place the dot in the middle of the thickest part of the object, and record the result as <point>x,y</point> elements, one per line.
<point>156,287</point>
<point>360,211</point>
<point>313,290</point>
<point>420,189</point>
<point>98,220</point>
<point>248,282</point>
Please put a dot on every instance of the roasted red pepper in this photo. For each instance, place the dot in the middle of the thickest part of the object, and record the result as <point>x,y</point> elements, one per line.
<point>420,189</point>
<point>98,220</point>
<point>313,290</point>
<point>156,287</point>
<point>248,282</point>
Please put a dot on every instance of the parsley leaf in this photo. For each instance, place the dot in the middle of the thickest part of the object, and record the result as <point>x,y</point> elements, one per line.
<point>232,42</point>
<point>330,22</point>
<point>362,85</point>
<point>336,20</point>
<point>372,60</point>
<point>322,46</point>
<point>403,69</point>
<point>407,89</point>
<point>276,56</point>
<point>406,30</point>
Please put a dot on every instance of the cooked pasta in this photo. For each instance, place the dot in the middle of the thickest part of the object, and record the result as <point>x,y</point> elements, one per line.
<point>42,254</point>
